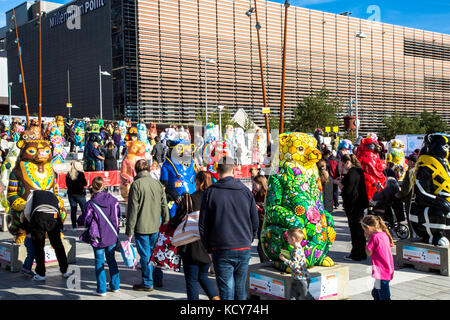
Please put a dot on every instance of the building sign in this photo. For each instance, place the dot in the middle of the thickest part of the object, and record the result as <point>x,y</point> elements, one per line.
<point>86,7</point>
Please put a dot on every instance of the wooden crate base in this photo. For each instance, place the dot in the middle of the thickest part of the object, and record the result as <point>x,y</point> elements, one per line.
<point>13,255</point>
<point>267,283</point>
<point>423,257</point>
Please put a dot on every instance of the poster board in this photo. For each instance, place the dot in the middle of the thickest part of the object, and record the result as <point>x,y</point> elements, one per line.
<point>266,285</point>
<point>324,287</point>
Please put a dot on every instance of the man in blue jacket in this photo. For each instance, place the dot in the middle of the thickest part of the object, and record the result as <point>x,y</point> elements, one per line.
<point>228,224</point>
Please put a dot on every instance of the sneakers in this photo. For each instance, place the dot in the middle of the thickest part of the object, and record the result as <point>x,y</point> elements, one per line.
<point>98,294</point>
<point>27,272</point>
<point>113,291</point>
<point>141,287</point>
<point>38,278</point>
<point>66,275</point>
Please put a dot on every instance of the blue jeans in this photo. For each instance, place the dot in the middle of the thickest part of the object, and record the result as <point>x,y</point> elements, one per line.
<point>197,273</point>
<point>100,274</point>
<point>231,267</point>
<point>145,243</point>
<point>384,293</point>
<point>28,263</point>
<point>98,165</point>
<point>74,200</point>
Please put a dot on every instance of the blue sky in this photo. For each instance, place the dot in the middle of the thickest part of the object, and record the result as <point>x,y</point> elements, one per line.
<point>432,15</point>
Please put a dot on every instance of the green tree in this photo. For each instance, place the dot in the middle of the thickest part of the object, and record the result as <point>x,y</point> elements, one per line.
<point>401,124</point>
<point>316,111</point>
<point>432,122</point>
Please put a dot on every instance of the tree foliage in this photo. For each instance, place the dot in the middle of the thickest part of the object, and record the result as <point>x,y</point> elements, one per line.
<point>432,122</point>
<point>424,123</point>
<point>316,111</point>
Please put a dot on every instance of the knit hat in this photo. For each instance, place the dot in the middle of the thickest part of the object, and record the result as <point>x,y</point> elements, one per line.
<point>412,157</point>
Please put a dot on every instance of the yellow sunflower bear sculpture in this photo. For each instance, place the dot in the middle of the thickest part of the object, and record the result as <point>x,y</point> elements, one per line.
<point>294,199</point>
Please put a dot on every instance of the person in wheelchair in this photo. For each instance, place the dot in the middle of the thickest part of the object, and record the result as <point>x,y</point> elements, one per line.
<point>386,205</point>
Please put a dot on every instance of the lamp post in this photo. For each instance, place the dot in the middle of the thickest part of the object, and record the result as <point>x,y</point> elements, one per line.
<point>100,74</point>
<point>360,35</point>
<point>68,105</point>
<point>9,98</point>
<point>220,121</point>
<point>207,60</point>
<point>283,67</point>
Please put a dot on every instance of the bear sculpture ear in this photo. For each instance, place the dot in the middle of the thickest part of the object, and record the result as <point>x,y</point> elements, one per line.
<point>20,144</point>
<point>283,139</point>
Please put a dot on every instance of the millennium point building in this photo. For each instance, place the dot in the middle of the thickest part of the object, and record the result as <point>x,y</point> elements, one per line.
<point>169,59</point>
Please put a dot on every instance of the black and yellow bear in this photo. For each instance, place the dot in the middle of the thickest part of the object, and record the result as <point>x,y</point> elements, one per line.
<point>430,208</point>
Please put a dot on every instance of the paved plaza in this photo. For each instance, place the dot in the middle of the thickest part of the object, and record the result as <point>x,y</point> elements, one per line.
<point>408,284</point>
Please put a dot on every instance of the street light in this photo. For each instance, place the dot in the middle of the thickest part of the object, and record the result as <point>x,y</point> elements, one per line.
<point>220,121</point>
<point>10,84</point>
<point>100,74</point>
<point>360,35</point>
<point>207,60</point>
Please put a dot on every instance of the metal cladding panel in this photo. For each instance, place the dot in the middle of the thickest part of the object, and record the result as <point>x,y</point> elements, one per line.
<point>320,52</point>
<point>81,50</point>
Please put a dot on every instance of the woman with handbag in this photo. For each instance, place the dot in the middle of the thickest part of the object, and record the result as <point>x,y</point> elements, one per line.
<point>76,184</point>
<point>196,260</point>
<point>101,217</point>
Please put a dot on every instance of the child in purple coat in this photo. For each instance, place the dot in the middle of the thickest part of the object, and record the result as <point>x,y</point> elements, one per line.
<point>101,217</point>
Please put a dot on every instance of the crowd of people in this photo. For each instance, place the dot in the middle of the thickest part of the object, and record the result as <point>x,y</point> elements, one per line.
<point>225,207</point>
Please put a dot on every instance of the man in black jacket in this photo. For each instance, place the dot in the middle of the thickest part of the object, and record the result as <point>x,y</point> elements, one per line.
<point>42,215</point>
<point>228,224</point>
<point>158,151</point>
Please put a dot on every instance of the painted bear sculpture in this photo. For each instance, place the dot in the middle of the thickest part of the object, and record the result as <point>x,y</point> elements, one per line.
<point>135,152</point>
<point>396,156</point>
<point>33,171</point>
<point>213,153</point>
<point>430,208</point>
<point>178,172</point>
<point>294,199</point>
<point>368,156</point>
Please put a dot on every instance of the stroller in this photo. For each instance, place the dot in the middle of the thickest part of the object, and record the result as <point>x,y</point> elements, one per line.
<point>390,209</point>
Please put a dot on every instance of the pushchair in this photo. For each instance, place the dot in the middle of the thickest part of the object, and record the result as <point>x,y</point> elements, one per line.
<point>390,209</point>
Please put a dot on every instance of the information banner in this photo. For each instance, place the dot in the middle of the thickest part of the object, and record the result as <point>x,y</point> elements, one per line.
<point>422,255</point>
<point>325,286</point>
<point>112,178</point>
<point>266,285</point>
<point>5,254</point>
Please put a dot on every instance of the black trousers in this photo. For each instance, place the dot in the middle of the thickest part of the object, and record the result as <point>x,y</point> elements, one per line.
<point>336,195</point>
<point>261,254</point>
<point>357,234</point>
<point>42,223</point>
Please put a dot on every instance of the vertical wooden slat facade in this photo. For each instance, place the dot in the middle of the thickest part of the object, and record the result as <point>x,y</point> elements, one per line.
<point>176,36</point>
